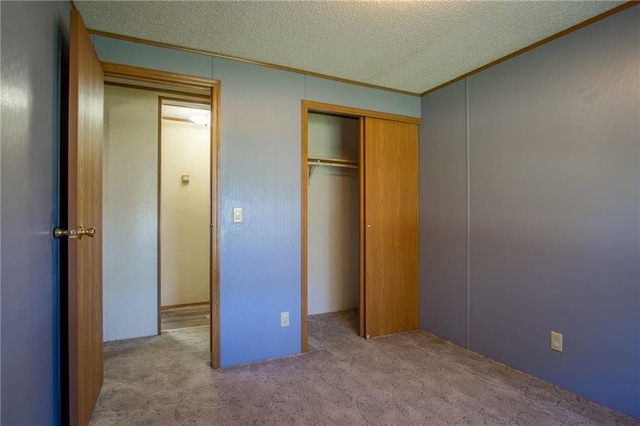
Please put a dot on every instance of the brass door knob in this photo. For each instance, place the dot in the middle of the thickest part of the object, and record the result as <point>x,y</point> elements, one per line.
<point>75,233</point>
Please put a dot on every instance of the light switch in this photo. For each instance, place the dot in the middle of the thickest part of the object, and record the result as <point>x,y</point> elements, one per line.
<point>185,178</point>
<point>237,215</point>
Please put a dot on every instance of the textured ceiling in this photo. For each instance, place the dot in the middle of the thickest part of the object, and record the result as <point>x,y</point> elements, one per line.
<point>405,45</point>
<point>181,112</point>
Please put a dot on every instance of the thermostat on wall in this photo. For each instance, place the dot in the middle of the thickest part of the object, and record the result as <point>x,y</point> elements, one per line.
<point>185,178</point>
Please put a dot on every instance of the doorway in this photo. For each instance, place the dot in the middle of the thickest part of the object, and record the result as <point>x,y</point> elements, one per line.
<point>130,306</point>
<point>183,206</point>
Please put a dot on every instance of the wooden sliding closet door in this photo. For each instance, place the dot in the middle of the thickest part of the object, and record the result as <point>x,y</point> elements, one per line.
<point>390,229</point>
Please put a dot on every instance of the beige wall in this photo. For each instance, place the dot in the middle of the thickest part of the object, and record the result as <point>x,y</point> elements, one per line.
<point>130,190</point>
<point>333,217</point>
<point>184,213</point>
<point>130,210</point>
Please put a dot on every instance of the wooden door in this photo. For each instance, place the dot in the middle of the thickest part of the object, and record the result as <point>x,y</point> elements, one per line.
<point>390,212</point>
<point>84,209</point>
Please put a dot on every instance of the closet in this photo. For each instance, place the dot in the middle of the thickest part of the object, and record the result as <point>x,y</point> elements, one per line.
<point>333,213</point>
<point>384,217</point>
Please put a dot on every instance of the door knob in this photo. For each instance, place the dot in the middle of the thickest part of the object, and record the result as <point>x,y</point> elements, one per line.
<point>75,233</point>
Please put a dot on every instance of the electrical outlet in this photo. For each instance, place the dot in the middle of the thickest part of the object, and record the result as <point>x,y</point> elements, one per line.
<point>556,341</point>
<point>284,319</point>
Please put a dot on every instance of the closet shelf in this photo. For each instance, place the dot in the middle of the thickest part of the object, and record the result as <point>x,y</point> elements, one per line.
<point>314,162</point>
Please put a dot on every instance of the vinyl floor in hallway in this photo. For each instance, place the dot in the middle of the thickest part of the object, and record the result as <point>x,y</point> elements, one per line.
<point>184,317</point>
<point>410,378</point>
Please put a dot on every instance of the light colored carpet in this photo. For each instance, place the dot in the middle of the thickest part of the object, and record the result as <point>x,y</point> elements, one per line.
<point>410,378</point>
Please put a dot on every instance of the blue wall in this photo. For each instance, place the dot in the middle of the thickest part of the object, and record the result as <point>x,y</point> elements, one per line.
<point>260,165</point>
<point>33,36</point>
<point>547,227</point>
<point>443,214</point>
<point>549,142</point>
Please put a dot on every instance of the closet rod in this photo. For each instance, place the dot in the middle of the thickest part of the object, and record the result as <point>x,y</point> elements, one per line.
<point>333,162</point>
<point>314,162</point>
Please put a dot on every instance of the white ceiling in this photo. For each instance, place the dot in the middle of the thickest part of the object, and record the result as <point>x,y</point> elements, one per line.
<point>411,46</point>
<point>180,112</point>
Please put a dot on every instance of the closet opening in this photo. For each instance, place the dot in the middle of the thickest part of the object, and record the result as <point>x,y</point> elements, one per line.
<point>359,224</point>
<point>333,222</point>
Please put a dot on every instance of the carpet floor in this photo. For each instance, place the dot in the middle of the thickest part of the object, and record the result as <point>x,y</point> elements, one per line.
<point>410,378</point>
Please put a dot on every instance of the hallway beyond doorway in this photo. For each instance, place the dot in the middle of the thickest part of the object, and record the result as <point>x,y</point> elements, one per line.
<point>179,318</point>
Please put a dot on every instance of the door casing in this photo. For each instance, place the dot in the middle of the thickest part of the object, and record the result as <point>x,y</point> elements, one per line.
<point>191,84</point>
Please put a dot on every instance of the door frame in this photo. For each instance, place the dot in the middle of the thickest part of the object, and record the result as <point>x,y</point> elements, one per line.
<point>344,111</point>
<point>191,83</point>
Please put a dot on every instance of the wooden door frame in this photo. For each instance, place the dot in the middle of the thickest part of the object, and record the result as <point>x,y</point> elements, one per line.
<point>339,110</point>
<point>146,75</point>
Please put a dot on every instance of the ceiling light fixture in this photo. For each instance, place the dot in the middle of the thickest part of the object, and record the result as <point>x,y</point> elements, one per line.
<point>201,119</point>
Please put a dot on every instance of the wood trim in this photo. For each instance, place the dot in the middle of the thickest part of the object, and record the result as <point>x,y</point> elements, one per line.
<point>249,61</point>
<point>148,74</point>
<point>331,109</point>
<point>362,287</point>
<point>196,97</point>
<point>553,37</point>
<point>158,224</point>
<point>305,215</point>
<point>214,241</point>
<point>184,305</point>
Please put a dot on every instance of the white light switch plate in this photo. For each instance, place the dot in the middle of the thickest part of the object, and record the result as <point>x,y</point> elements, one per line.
<point>237,215</point>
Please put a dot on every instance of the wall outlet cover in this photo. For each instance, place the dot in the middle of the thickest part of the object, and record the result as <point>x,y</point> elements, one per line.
<point>556,341</point>
<point>284,319</point>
